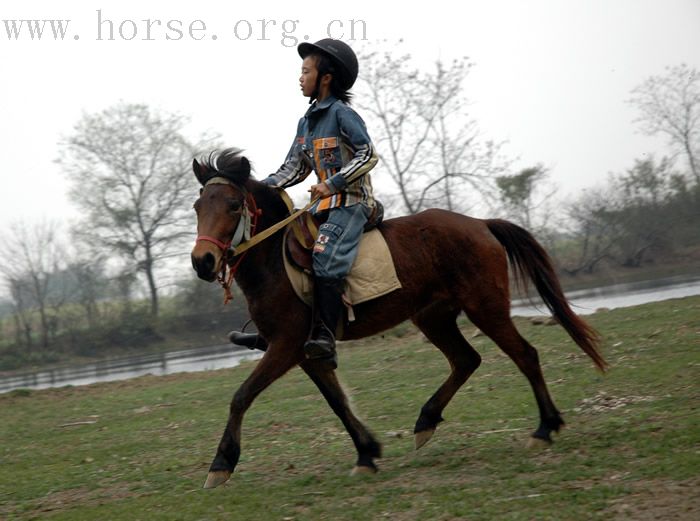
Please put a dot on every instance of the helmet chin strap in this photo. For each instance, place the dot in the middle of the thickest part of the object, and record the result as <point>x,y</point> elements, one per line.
<point>316,91</point>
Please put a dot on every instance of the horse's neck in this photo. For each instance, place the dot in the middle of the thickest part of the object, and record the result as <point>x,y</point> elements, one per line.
<point>272,208</point>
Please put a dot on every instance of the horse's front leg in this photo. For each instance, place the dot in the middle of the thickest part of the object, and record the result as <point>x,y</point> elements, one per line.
<point>367,446</point>
<point>274,363</point>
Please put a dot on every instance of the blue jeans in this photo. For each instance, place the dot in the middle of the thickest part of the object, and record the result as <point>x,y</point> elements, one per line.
<point>338,239</point>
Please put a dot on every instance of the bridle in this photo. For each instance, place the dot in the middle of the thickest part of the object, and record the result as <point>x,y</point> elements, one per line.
<point>245,229</point>
<point>244,236</point>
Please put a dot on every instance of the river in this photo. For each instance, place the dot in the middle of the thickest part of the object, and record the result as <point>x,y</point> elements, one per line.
<point>223,356</point>
<point>200,359</point>
<point>587,301</point>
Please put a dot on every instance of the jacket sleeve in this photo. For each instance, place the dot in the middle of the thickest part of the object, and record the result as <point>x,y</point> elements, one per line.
<point>354,132</point>
<point>295,168</point>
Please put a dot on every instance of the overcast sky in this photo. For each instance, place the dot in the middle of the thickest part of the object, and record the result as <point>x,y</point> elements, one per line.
<point>551,76</point>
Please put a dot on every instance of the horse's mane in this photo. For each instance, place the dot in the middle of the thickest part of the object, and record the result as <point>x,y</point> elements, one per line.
<point>228,163</point>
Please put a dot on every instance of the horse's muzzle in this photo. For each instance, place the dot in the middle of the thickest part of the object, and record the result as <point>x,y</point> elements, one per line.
<point>205,266</point>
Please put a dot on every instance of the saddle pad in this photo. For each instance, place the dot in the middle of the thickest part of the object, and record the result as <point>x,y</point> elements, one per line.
<point>372,275</point>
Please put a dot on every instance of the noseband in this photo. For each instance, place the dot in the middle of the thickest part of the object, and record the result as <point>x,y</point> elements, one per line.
<point>223,246</point>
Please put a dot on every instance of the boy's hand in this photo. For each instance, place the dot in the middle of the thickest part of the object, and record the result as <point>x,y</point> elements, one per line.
<point>320,190</point>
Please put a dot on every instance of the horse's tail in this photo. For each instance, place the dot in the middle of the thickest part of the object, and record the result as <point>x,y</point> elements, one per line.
<point>528,259</point>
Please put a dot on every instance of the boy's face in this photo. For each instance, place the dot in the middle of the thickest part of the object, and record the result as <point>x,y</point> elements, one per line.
<point>309,73</point>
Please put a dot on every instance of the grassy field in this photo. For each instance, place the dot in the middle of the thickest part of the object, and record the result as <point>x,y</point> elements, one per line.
<point>140,449</point>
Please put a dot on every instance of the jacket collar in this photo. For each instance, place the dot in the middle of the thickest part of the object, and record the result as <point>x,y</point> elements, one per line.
<point>322,105</point>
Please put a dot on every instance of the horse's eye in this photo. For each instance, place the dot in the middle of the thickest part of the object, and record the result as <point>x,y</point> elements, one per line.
<point>234,205</point>
<point>196,205</point>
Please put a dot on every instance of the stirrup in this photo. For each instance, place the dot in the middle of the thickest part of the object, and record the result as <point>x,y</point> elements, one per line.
<point>322,348</point>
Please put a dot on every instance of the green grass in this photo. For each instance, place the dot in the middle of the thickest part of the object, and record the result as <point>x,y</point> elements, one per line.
<point>630,449</point>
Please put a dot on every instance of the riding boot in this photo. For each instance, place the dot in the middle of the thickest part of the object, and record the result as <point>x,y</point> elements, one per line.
<point>249,340</point>
<point>327,311</point>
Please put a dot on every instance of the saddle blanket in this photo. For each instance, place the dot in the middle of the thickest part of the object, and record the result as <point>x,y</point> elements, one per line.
<point>372,275</point>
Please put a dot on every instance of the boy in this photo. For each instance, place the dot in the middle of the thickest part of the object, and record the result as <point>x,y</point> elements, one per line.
<point>332,140</point>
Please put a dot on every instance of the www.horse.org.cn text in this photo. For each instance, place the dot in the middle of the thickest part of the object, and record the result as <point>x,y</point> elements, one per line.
<point>108,28</point>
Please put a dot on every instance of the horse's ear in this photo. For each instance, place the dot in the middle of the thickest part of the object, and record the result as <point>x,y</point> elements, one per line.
<point>245,166</point>
<point>198,170</point>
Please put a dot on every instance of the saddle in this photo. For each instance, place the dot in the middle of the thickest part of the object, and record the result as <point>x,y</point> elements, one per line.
<point>303,231</point>
<point>372,275</point>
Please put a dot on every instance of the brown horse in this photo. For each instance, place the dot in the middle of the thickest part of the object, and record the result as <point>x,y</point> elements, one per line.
<point>447,263</point>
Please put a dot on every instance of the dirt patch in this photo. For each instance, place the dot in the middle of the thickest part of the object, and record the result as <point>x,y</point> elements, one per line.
<point>603,402</point>
<point>81,497</point>
<point>63,499</point>
<point>659,499</point>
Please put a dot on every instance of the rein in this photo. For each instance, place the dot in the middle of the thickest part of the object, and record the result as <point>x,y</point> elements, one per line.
<point>256,239</point>
<point>245,229</point>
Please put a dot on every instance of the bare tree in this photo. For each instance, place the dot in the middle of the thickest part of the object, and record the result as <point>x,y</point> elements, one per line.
<point>670,105</point>
<point>594,231</point>
<point>633,217</point>
<point>89,283</point>
<point>30,257</point>
<point>129,168</point>
<point>464,163</point>
<point>21,311</point>
<point>526,197</point>
<point>430,146</point>
<point>645,191</point>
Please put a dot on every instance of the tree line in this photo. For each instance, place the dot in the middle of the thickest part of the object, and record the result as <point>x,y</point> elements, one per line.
<point>98,285</point>
<point>129,172</point>
<point>435,154</point>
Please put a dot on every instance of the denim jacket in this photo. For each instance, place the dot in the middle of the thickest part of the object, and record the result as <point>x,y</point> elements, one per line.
<point>331,140</point>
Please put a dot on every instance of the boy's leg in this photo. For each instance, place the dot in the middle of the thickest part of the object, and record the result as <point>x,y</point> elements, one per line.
<point>334,253</point>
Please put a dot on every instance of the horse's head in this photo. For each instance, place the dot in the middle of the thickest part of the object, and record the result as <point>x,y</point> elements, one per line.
<point>222,210</point>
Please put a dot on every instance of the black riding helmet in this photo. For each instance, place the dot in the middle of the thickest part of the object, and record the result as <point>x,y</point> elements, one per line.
<point>340,53</point>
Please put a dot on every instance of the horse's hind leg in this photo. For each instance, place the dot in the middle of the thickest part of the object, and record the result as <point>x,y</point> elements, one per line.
<point>439,324</point>
<point>497,324</point>
<point>367,447</point>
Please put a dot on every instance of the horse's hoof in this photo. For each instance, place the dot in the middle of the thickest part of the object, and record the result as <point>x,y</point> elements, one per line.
<point>214,479</point>
<point>538,443</point>
<point>363,470</point>
<point>423,437</point>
